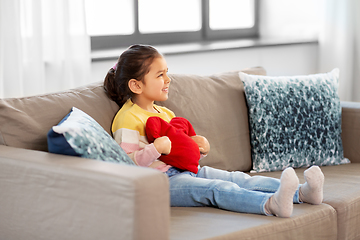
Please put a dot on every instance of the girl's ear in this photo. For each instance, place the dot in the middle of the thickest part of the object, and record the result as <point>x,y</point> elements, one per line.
<point>135,86</point>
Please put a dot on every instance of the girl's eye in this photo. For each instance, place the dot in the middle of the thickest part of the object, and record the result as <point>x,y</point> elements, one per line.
<point>160,75</point>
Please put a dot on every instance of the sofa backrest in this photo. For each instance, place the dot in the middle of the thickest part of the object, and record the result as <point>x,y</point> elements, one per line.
<point>24,122</point>
<point>215,105</point>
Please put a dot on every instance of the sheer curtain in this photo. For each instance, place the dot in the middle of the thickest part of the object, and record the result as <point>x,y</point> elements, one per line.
<point>43,46</point>
<point>340,45</point>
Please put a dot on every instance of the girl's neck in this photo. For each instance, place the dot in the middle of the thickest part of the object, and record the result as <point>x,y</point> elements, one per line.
<point>146,105</point>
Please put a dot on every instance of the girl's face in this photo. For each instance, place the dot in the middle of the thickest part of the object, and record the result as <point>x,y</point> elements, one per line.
<point>156,81</point>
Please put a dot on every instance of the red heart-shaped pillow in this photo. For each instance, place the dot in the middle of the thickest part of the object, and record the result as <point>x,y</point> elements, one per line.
<point>184,152</point>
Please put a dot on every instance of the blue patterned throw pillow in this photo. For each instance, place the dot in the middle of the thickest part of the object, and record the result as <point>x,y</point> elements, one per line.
<point>294,121</point>
<point>78,134</point>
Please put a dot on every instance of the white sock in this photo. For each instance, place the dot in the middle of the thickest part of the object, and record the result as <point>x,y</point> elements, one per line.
<point>312,190</point>
<point>281,203</point>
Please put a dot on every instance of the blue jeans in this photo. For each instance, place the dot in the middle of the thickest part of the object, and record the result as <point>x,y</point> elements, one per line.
<point>234,191</point>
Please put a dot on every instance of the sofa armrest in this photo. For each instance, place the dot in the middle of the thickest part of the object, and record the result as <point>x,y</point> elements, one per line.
<point>351,130</point>
<point>51,196</point>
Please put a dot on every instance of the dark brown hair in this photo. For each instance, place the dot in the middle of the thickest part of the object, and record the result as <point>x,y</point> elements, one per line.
<point>133,63</point>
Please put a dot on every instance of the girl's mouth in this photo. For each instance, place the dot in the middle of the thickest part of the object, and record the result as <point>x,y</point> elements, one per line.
<point>165,89</point>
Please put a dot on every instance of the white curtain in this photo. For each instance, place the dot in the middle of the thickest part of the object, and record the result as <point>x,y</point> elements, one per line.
<point>43,46</point>
<point>340,45</point>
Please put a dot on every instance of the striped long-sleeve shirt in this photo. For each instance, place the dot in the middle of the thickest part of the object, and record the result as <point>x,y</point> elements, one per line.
<point>129,131</point>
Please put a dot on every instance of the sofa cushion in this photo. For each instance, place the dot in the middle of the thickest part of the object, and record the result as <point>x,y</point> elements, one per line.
<point>342,192</point>
<point>306,222</point>
<point>24,122</point>
<point>78,134</point>
<point>294,121</point>
<point>215,106</point>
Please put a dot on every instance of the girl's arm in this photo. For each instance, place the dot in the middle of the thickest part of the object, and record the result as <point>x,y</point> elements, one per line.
<point>143,157</point>
<point>142,153</point>
<point>136,146</point>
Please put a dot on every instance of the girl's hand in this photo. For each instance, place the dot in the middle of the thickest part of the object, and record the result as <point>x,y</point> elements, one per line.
<point>163,145</point>
<point>203,143</point>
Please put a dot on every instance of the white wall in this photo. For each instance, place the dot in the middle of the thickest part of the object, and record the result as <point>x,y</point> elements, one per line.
<point>290,18</point>
<point>277,60</point>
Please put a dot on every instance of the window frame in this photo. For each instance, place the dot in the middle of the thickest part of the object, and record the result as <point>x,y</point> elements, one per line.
<point>203,35</point>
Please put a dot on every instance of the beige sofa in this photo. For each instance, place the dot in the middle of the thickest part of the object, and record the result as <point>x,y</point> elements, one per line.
<point>51,196</point>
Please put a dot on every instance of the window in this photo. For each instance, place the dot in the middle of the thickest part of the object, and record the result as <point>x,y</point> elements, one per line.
<point>119,23</point>
<point>239,15</point>
<point>104,17</point>
<point>159,16</point>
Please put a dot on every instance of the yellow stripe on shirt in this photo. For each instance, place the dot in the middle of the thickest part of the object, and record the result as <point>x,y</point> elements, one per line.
<point>132,117</point>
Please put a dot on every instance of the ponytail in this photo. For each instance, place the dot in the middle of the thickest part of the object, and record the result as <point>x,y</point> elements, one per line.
<point>115,91</point>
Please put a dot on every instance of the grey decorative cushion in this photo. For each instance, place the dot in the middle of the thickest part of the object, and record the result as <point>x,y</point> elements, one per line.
<point>78,134</point>
<point>294,121</point>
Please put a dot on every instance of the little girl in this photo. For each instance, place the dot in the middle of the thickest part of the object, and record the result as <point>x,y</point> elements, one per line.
<point>137,80</point>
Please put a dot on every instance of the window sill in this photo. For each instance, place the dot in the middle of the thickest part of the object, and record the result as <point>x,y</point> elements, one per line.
<point>185,48</point>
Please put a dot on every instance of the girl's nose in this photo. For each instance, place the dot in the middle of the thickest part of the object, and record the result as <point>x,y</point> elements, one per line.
<point>167,79</point>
